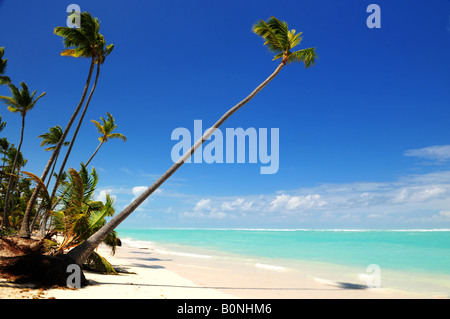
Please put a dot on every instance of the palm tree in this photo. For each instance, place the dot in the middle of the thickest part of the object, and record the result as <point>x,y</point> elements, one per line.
<point>106,132</point>
<point>80,216</point>
<point>79,42</point>
<point>52,138</point>
<point>280,40</point>
<point>20,102</point>
<point>102,51</point>
<point>3,62</point>
<point>11,155</point>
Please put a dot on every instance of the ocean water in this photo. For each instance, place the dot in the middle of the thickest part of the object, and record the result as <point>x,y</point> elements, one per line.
<point>420,257</point>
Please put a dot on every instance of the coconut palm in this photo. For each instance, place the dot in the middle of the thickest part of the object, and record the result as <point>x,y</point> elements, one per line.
<point>11,156</point>
<point>80,216</point>
<point>51,139</point>
<point>81,42</point>
<point>102,51</point>
<point>280,40</point>
<point>21,102</point>
<point>106,131</point>
<point>3,62</point>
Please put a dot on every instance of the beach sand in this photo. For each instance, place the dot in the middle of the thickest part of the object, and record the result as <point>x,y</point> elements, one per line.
<point>155,272</point>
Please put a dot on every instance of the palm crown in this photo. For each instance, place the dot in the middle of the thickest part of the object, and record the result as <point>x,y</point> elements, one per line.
<point>85,41</point>
<point>3,62</point>
<point>106,129</point>
<point>281,40</point>
<point>52,138</point>
<point>20,101</point>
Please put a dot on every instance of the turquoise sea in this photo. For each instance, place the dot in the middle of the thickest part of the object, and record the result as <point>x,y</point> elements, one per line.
<point>423,254</point>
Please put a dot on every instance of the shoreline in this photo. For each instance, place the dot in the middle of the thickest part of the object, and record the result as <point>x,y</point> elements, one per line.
<point>152,271</point>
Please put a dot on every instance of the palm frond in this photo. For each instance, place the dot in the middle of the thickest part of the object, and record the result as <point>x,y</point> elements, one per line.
<point>11,103</point>
<point>307,56</point>
<point>118,136</point>
<point>98,126</point>
<point>89,181</point>
<point>4,80</point>
<point>59,221</point>
<point>98,218</point>
<point>98,263</point>
<point>77,191</point>
<point>75,53</point>
<point>43,191</point>
<point>273,41</point>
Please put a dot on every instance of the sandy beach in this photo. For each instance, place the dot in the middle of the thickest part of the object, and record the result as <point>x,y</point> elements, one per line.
<point>154,272</point>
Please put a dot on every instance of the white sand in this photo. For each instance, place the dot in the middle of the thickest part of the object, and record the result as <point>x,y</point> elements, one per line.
<point>144,280</point>
<point>161,273</point>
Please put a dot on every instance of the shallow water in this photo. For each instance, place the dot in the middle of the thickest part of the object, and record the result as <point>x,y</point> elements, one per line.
<point>414,260</point>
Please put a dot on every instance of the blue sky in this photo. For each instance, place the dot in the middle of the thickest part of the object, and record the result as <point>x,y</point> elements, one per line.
<point>364,134</point>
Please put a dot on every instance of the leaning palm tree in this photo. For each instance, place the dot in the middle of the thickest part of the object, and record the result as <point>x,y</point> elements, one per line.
<point>21,102</point>
<point>79,42</point>
<point>280,40</point>
<point>3,62</point>
<point>102,51</point>
<point>106,131</point>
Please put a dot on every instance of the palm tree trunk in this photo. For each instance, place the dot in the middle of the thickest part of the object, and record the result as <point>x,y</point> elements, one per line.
<point>96,150</point>
<point>53,169</point>
<point>81,252</point>
<point>24,229</point>
<point>72,142</point>
<point>3,170</point>
<point>11,178</point>
<point>41,232</point>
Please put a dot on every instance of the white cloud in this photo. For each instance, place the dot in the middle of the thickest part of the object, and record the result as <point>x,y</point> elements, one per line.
<point>439,153</point>
<point>288,202</point>
<point>200,214</point>
<point>239,204</point>
<point>138,190</point>
<point>101,196</point>
<point>409,199</point>
<point>203,204</point>
<point>421,194</point>
<point>204,208</point>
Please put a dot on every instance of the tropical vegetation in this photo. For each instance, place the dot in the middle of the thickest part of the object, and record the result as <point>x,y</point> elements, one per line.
<point>70,209</point>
